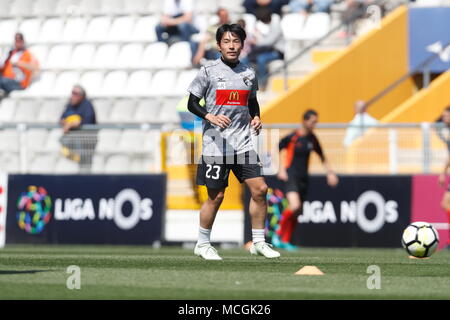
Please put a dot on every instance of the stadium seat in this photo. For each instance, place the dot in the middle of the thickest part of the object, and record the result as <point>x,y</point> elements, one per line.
<point>53,143</point>
<point>74,29</point>
<point>7,110</point>
<point>42,163</point>
<point>21,8</point>
<point>132,140</point>
<point>58,57</point>
<point>122,111</point>
<point>98,164</point>
<point>209,6</point>
<point>42,86</point>
<point>43,7</point>
<point>169,113</point>
<point>97,29</point>
<point>51,110</point>
<point>8,28</point>
<point>4,8</point>
<point>9,140</point>
<point>155,7</point>
<point>31,29</point>
<point>40,52</point>
<point>106,56</point>
<point>12,163</point>
<point>92,81</point>
<point>130,56</point>
<point>117,164</point>
<point>82,57</point>
<point>317,25</point>
<point>67,7</point>
<point>35,139</point>
<point>66,166</point>
<point>147,111</point>
<point>107,140</point>
<point>163,83</point>
<point>184,80</point>
<point>103,109</point>
<point>250,21</point>
<point>121,29</point>
<point>179,56</point>
<point>135,7</point>
<point>114,84</point>
<point>90,7</point>
<point>139,84</point>
<point>136,165</point>
<point>26,111</point>
<point>292,24</point>
<point>154,55</point>
<point>144,29</point>
<point>64,83</point>
<point>234,6</point>
<point>111,7</point>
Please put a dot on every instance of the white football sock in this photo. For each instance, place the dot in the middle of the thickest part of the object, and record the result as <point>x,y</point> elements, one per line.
<point>203,235</point>
<point>258,235</point>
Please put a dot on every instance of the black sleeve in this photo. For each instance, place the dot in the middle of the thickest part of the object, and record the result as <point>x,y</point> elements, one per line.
<point>195,107</point>
<point>253,107</point>
<point>285,141</point>
<point>318,148</point>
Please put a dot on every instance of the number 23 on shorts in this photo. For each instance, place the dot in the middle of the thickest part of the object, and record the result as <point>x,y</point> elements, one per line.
<point>212,172</point>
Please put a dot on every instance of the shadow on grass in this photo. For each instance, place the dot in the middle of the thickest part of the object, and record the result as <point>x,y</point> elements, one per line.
<point>9,272</point>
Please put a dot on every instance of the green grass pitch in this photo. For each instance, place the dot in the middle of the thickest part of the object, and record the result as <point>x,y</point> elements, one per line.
<point>137,272</point>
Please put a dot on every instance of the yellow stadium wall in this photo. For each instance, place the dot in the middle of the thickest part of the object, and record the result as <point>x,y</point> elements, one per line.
<point>361,71</point>
<point>426,105</point>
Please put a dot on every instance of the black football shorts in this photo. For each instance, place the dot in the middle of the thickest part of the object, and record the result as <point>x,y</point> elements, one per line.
<point>213,172</point>
<point>297,184</point>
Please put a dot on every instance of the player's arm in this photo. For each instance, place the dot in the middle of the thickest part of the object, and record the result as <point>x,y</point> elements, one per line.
<point>332,178</point>
<point>443,175</point>
<point>255,114</point>
<point>194,106</point>
<point>282,172</point>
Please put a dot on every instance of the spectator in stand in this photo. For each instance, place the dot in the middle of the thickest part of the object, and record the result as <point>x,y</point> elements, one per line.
<point>361,122</point>
<point>248,44</point>
<point>176,21</point>
<point>354,10</point>
<point>275,6</point>
<point>269,44</point>
<point>17,67</point>
<point>310,6</point>
<point>78,144</point>
<point>207,48</point>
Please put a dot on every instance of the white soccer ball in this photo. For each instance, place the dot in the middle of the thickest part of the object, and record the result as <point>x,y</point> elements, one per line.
<point>420,239</point>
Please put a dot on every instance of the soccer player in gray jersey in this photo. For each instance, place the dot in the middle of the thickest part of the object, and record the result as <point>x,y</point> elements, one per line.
<point>231,111</point>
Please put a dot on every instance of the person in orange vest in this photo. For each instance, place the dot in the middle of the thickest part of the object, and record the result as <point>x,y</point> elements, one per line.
<point>17,68</point>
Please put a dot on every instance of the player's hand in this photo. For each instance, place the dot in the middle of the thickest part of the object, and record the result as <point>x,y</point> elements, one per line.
<point>332,179</point>
<point>282,175</point>
<point>220,120</point>
<point>256,124</point>
<point>442,179</point>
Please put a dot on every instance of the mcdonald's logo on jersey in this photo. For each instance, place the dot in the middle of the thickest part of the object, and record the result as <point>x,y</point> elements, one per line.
<point>232,97</point>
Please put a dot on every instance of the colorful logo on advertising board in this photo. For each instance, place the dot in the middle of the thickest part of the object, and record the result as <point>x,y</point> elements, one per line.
<point>33,210</point>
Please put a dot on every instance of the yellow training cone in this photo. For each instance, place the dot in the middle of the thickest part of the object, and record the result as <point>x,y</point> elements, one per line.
<point>309,271</point>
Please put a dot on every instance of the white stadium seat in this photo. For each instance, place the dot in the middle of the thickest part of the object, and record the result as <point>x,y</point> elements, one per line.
<point>106,56</point>
<point>66,166</point>
<point>163,83</point>
<point>107,140</point>
<point>132,140</point>
<point>58,57</point>
<point>103,109</point>
<point>43,7</point>
<point>135,6</point>
<point>169,111</point>
<point>144,29</point>
<point>36,139</point>
<point>40,52</point>
<point>155,7</point>
<point>130,56</point>
<point>82,56</point>
<point>122,111</point>
<point>42,163</point>
<point>65,82</point>
<point>67,7</point>
<point>4,7</point>
<point>97,29</point>
<point>31,29</point>
<point>316,26</point>
<point>147,111</point>
<point>8,28</point>
<point>21,8</point>
<point>117,164</point>
<point>114,84</point>
<point>7,109</point>
<point>139,84</point>
<point>90,7</point>
<point>26,111</point>
<point>121,29</point>
<point>92,81</point>
<point>43,86</point>
<point>9,140</point>
<point>51,110</point>
<point>111,7</point>
<point>74,29</point>
<point>209,6</point>
<point>53,143</point>
<point>154,55</point>
<point>98,164</point>
<point>179,56</point>
<point>184,80</point>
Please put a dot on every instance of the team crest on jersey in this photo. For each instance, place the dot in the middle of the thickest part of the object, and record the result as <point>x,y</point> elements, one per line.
<point>247,81</point>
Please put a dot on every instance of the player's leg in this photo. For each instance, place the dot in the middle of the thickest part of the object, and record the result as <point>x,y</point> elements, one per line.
<point>288,221</point>
<point>215,177</point>
<point>258,213</point>
<point>445,204</point>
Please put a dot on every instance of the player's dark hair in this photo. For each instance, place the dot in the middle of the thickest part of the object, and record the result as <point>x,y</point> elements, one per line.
<point>20,36</point>
<point>263,14</point>
<point>309,113</point>
<point>233,28</point>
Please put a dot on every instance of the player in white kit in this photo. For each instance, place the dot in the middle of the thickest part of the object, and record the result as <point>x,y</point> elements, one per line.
<point>231,110</point>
